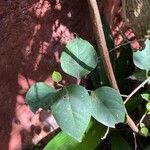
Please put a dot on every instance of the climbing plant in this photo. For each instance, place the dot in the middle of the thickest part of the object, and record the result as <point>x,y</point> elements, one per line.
<point>73,105</point>
<point>85,116</point>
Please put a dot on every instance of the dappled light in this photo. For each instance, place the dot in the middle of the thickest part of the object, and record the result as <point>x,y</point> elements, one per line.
<point>33,34</point>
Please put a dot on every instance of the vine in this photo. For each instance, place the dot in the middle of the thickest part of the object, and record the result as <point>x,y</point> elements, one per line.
<point>74,107</point>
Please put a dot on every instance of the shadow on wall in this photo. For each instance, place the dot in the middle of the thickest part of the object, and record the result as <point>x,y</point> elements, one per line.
<point>32,36</point>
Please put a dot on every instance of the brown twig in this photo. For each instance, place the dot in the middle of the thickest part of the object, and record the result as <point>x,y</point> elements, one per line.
<point>128,42</point>
<point>103,50</point>
<point>100,37</point>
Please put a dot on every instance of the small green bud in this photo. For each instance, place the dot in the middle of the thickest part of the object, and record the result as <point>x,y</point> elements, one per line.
<point>144,131</point>
<point>56,76</point>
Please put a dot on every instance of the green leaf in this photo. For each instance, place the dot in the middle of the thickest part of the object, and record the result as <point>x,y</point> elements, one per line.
<point>56,76</point>
<point>91,139</point>
<point>72,110</point>
<point>139,76</point>
<point>144,131</point>
<point>142,125</point>
<point>40,95</point>
<point>148,106</point>
<point>78,58</point>
<point>141,58</point>
<point>146,96</point>
<point>118,142</point>
<point>107,106</point>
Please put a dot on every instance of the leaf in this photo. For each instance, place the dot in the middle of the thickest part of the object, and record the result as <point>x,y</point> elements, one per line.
<point>40,95</point>
<point>141,58</point>
<point>56,76</point>
<point>144,131</point>
<point>148,106</point>
<point>118,142</point>
<point>142,125</point>
<point>107,106</point>
<point>90,141</point>
<point>78,58</point>
<point>72,110</point>
<point>139,76</point>
<point>145,96</point>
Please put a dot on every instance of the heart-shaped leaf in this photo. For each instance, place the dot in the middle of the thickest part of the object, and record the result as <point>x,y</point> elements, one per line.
<point>142,58</point>
<point>40,95</point>
<point>79,58</point>
<point>72,110</point>
<point>107,106</point>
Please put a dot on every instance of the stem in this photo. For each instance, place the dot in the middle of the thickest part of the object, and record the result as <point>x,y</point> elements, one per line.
<point>122,95</point>
<point>78,81</point>
<point>142,118</point>
<point>132,124</point>
<point>128,42</point>
<point>103,50</point>
<point>135,141</point>
<point>60,85</point>
<point>140,86</point>
<point>147,71</point>
<point>89,90</point>
<point>101,42</point>
<point>106,133</point>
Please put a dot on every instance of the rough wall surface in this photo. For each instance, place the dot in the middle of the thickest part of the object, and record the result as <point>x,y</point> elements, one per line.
<point>32,36</point>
